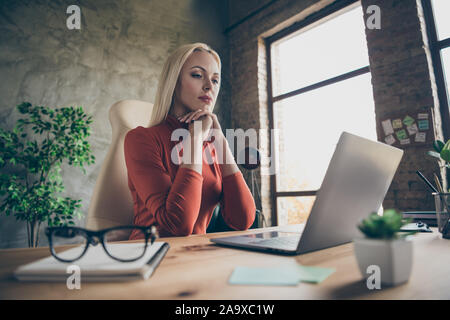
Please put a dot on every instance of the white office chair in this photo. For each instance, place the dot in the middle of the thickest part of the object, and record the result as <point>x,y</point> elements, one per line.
<point>111,203</point>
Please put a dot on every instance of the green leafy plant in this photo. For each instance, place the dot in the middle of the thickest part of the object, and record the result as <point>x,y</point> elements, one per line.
<point>31,156</point>
<point>442,153</point>
<point>386,226</point>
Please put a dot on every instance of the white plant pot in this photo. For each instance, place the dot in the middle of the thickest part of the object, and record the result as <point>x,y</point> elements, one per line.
<point>393,257</point>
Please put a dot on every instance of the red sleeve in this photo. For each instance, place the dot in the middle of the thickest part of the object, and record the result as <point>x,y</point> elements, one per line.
<point>175,205</point>
<point>238,205</point>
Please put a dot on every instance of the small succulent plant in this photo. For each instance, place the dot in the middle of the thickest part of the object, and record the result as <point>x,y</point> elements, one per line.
<point>386,226</point>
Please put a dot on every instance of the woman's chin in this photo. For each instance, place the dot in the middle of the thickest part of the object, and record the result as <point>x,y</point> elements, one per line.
<point>207,105</point>
<point>190,109</point>
<point>202,105</point>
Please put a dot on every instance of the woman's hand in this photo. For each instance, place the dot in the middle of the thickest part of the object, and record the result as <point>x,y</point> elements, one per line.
<point>209,121</point>
<point>227,163</point>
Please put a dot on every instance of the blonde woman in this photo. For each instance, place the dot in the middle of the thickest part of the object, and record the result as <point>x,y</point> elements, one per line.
<point>179,198</point>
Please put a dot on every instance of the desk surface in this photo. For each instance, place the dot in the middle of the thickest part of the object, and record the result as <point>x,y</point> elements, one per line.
<point>195,268</point>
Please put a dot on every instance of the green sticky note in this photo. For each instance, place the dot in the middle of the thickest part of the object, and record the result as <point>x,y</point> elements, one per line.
<point>264,276</point>
<point>401,134</point>
<point>423,124</point>
<point>313,274</point>
<point>288,275</point>
<point>408,121</point>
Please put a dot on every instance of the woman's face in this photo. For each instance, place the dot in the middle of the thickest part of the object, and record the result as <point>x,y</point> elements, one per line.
<point>198,83</point>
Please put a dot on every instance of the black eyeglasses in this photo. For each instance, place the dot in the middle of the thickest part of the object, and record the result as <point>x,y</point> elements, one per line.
<point>84,237</point>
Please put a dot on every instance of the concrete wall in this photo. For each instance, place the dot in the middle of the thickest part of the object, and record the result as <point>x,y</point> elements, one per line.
<point>117,54</point>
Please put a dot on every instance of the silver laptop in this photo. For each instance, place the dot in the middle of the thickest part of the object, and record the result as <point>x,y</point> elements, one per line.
<point>355,184</point>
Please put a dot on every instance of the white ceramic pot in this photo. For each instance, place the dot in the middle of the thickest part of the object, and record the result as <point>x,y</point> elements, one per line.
<point>393,257</point>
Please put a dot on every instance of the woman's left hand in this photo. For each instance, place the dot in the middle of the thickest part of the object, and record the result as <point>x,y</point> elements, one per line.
<point>194,115</point>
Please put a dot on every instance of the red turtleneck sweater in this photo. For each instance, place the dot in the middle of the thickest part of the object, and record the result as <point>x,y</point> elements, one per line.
<point>180,201</point>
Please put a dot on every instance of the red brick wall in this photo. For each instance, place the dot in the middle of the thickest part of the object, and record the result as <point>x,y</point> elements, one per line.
<point>403,82</point>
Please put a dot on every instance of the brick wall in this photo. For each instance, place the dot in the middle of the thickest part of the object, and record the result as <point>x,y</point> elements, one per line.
<point>402,80</point>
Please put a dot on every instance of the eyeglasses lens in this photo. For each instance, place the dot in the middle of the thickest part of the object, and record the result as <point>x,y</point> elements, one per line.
<point>131,253</point>
<point>69,236</point>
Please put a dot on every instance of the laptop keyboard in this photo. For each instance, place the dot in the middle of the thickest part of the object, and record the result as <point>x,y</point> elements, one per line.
<point>278,241</point>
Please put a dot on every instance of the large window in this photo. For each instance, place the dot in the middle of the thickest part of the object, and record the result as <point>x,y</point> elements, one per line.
<point>437,17</point>
<point>320,85</point>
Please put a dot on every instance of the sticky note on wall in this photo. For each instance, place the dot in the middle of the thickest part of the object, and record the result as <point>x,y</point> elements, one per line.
<point>423,124</point>
<point>397,123</point>
<point>401,134</point>
<point>407,121</point>
<point>412,129</point>
<point>421,137</point>
<point>390,139</point>
<point>387,127</point>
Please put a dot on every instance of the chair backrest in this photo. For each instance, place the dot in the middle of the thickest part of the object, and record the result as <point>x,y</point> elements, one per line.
<point>111,203</point>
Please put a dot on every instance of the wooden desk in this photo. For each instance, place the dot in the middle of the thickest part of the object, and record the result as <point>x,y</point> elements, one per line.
<point>194,268</point>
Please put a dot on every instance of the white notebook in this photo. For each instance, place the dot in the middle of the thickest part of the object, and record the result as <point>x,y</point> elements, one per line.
<point>96,265</point>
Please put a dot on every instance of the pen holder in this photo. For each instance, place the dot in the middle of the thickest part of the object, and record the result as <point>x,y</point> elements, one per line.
<point>442,203</point>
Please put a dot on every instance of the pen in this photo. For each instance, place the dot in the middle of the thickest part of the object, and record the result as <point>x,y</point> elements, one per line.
<point>438,184</point>
<point>426,181</point>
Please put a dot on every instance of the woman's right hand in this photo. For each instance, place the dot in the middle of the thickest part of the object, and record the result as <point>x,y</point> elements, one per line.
<point>194,117</point>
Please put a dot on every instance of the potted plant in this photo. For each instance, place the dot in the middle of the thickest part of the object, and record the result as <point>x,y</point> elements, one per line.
<point>30,179</point>
<point>385,247</point>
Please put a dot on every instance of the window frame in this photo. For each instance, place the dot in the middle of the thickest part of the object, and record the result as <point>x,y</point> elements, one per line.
<point>319,15</point>
<point>436,46</point>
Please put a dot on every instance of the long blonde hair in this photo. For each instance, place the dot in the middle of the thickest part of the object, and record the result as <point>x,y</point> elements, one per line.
<point>169,77</point>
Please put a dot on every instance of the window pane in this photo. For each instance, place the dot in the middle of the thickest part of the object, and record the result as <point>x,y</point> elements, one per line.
<point>445,54</point>
<point>330,49</point>
<point>294,210</point>
<point>309,127</point>
<point>441,11</point>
